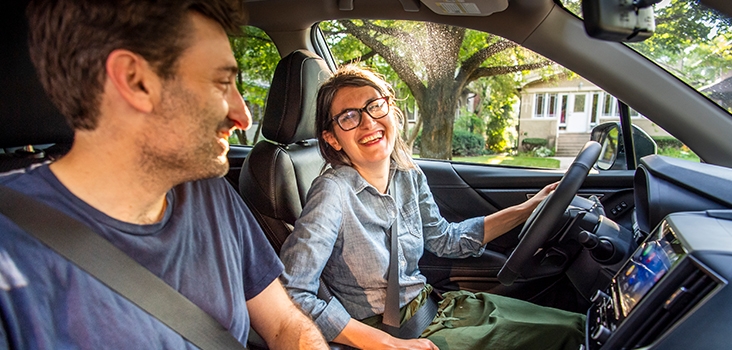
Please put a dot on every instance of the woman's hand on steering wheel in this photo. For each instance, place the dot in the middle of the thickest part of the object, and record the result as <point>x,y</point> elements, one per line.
<point>534,201</point>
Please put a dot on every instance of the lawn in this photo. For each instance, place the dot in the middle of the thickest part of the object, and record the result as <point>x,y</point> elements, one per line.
<point>536,162</point>
<point>551,163</point>
<point>683,153</point>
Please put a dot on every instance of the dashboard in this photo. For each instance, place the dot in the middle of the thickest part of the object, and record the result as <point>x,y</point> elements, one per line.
<point>665,185</point>
<point>673,292</point>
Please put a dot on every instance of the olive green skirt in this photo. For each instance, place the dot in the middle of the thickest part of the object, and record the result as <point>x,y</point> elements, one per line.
<point>468,320</point>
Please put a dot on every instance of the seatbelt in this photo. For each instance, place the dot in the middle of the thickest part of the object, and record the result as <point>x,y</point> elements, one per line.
<point>92,253</point>
<point>390,323</point>
<point>391,319</point>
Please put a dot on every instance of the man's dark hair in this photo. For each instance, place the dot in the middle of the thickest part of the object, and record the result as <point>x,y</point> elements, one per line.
<point>70,41</point>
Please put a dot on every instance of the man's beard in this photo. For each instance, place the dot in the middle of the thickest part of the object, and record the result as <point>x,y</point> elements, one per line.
<point>199,154</point>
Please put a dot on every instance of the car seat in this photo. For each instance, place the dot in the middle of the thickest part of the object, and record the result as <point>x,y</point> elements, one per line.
<point>32,130</point>
<point>277,173</point>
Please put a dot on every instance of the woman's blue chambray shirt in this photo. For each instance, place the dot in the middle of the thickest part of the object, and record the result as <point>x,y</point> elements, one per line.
<point>341,236</point>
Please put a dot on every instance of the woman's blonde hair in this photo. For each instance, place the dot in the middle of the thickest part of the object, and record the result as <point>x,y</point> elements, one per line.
<point>354,76</point>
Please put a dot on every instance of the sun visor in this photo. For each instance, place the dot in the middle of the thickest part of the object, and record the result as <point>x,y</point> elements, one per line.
<point>466,7</point>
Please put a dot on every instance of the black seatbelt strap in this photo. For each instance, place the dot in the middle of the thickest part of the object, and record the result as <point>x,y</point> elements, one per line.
<point>391,320</point>
<point>92,253</point>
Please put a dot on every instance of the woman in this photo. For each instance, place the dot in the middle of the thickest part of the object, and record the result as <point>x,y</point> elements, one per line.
<point>341,237</point>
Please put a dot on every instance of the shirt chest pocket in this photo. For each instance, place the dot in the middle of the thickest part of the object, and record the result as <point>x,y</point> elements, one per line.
<point>410,220</point>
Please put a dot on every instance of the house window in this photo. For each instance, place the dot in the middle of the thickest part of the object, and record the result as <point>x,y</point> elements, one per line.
<point>608,106</point>
<point>563,109</point>
<point>594,110</point>
<point>552,106</point>
<point>539,103</point>
<point>579,103</point>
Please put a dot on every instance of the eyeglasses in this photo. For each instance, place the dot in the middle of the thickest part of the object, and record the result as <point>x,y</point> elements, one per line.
<point>351,118</point>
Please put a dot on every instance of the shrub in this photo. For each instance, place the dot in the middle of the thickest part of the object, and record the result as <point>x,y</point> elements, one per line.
<point>665,142</point>
<point>531,143</point>
<point>464,143</point>
<point>468,144</point>
<point>543,152</point>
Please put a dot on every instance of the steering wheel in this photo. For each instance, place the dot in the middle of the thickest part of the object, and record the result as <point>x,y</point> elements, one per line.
<point>537,229</point>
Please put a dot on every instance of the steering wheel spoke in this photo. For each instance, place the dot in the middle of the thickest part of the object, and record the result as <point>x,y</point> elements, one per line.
<point>538,228</point>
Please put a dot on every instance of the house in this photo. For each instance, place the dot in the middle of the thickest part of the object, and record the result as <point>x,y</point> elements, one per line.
<point>564,108</point>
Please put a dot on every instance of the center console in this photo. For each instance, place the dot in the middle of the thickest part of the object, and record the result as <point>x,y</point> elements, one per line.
<point>672,293</point>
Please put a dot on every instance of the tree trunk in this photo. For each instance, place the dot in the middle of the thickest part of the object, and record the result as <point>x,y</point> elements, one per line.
<point>438,115</point>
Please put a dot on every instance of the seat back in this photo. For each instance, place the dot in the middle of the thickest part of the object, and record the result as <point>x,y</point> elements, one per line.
<point>277,173</point>
<point>27,115</point>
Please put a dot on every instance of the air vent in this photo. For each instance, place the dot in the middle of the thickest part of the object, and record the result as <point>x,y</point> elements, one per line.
<point>688,294</point>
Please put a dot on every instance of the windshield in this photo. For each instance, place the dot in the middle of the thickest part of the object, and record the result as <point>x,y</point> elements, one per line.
<point>691,41</point>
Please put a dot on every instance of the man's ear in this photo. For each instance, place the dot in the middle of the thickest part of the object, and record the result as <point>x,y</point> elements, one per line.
<point>331,140</point>
<point>133,78</point>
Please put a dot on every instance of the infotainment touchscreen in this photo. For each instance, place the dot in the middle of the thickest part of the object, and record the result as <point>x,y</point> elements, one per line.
<point>649,263</point>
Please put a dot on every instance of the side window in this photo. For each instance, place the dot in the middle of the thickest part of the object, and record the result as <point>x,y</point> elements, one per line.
<point>475,97</point>
<point>257,58</point>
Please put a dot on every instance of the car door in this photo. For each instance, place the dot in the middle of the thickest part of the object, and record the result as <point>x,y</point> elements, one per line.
<point>464,190</point>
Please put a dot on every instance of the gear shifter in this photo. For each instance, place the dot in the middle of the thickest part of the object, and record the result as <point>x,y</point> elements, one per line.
<point>602,250</point>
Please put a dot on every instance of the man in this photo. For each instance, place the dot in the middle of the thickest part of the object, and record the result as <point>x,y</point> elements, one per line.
<point>149,90</point>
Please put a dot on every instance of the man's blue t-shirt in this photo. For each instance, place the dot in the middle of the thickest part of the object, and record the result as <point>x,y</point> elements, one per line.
<point>208,246</point>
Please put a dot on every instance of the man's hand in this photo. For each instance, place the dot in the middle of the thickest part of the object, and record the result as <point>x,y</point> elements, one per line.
<point>280,323</point>
<point>362,336</point>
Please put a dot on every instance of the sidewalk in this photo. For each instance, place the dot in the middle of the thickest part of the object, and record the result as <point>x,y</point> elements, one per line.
<point>564,162</point>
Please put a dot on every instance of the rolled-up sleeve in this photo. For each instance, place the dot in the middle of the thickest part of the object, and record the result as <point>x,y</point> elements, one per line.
<point>451,240</point>
<point>306,252</point>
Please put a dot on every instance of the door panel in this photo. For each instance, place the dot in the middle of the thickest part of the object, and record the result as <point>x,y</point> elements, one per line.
<point>468,190</point>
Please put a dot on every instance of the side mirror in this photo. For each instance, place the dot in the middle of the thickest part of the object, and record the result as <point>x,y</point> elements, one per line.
<point>612,155</point>
<point>619,20</point>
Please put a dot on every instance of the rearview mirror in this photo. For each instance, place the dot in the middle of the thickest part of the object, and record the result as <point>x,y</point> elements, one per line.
<point>612,155</point>
<point>619,20</point>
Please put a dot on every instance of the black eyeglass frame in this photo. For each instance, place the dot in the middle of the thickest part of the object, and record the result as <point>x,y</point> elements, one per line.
<point>360,112</point>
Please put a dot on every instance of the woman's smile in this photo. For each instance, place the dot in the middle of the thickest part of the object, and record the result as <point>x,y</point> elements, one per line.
<point>372,138</point>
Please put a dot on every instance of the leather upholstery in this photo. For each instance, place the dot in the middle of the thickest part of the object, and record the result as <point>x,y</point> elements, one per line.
<point>278,172</point>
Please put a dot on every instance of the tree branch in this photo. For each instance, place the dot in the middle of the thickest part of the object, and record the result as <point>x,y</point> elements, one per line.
<point>500,70</point>
<point>472,63</point>
<point>361,58</point>
<point>400,65</point>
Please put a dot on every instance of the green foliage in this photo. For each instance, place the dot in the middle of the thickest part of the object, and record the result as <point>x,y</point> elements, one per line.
<point>431,62</point>
<point>667,142</point>
<point>690,40</point>
<point>467,144</point>
<point>522,161</point>
<point>464,143</point>
<point>543,152</point>
<point>493,102</point>
<point>682,153</point>
<point>257,58</point>
<point>469,122</point>
<point>531,143</point>
<point>672,147</point>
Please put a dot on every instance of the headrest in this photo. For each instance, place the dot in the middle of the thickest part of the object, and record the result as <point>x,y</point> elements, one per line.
<point>290,113</point>
<point>27,115</point>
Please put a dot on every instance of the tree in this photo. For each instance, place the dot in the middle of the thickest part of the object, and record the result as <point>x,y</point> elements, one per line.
<point>690,40</point>
<point>257,57</point>
<point>436,62</point>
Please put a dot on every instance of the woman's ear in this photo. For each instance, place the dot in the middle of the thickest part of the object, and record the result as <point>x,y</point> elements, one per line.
<point>331,140</point>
